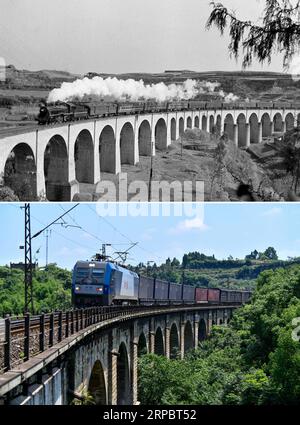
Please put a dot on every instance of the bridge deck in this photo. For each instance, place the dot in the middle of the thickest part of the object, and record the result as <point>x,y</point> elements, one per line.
<point>101,319</point>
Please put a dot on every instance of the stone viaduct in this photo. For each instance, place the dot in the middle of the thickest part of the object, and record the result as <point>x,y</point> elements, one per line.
<point>101,357</point>
<point>57,158</point>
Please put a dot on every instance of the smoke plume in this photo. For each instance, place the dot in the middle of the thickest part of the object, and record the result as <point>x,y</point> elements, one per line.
<point>131,90</point>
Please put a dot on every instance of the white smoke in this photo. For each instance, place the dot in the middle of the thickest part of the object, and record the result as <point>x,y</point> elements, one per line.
<point>123,90</point>
<point>132,90</point>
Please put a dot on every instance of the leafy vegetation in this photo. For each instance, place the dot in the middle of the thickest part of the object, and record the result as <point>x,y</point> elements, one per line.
<point>253,361</point>
<point>201,270</point>
<point>51,288</point>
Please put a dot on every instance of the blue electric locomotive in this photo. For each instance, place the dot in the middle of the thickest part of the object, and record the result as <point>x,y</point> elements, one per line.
<point>103,283</point>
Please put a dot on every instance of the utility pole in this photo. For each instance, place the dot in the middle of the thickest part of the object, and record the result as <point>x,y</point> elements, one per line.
<point>104,245</point>
<point>28,262</point>
<point>47,245</point>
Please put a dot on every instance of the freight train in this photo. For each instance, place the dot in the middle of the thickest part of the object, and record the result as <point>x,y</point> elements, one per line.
<point>73,111</point>
<point>100,283</point>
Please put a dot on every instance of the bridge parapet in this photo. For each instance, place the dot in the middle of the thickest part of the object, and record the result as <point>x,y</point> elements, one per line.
<point>35,349</point>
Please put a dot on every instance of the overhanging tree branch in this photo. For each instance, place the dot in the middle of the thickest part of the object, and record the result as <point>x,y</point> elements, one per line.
<point>280,31</point>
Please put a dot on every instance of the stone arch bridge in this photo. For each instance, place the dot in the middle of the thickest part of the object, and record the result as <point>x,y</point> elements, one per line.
<point>66,355</point>
<point>55,159</point>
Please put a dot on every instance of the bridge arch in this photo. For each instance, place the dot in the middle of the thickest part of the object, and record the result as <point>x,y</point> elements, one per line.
<point>173,129</point>
<point>142,345</point>
<point>174,341</point>
<point>204,123</point>
<point>159,343</point>
<point>219,124</point>
<point>229,126</point>
<point>188,337</point>
<point>84,157</point>
<point>289,121</point>
<point>278,122</point>
<point>181,126</point>
<point>56,169</point>
<point>189,122</point>
<point>96,387</point>
<point>241,123</point>
<point>20,172</point>
<point>127,144</point>
<point>266,125</point>
<point>254,128</point>
<point>196,122</point>
<point>202,331</point>
<point>211,123</point>
<point>161,134</point>
<point>123,379</point>
<point>107,150</point>
<point>144,138</point>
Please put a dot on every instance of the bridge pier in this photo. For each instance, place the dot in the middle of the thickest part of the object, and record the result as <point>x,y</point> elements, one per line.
<point>247,135</point>
<point>235,134</point>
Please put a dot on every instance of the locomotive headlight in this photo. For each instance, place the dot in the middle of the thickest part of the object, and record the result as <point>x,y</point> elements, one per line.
<point>99,289</point>
<point>77,288</point>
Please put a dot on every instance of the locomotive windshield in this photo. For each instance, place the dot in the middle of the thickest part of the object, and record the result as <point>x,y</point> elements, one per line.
<point>89,275</point>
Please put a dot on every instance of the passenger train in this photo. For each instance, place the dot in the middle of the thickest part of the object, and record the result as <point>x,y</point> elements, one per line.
<point>73,111</point>
<point>100,283</point>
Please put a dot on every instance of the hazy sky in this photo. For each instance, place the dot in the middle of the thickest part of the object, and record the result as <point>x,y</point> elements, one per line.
<point>228,229</point>
<point>118,35</point>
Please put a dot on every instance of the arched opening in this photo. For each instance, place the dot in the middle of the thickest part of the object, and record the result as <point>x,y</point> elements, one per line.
<point>241,123</point>
<point>220,322</point>
<point>298,120</point>
<point>211,123</point>
<point>254,131</point>
<point>20,172</point>
<point>161,134</point>
<point>127,144</point>
<point>204,123</point>
<point>278,123</point>
<point>145,139</point>
<point>202,333</point>
<point>174,342</point>
<point>142,345</point>
<point>159,343</point>
<point>229,127</point>
<point>289,122</point>
<point>189,122</point>
<point>107,150</point>
<point>266,125</point>
<point>219,124</point>
<point>196,122</point>
<point>181,126</point>
<point>173,129</point>
<point>188,337</point>
<point>84,157</point>
<point>56,170</point>
<point>96,387</point>
<point>123,383</point>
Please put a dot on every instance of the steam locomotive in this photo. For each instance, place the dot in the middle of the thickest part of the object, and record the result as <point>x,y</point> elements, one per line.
<point>99,283</point>
<point>72,111</point>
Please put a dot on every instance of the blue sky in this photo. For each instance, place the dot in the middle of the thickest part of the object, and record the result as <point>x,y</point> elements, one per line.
<point>119,35</point>
<point>224,229</point>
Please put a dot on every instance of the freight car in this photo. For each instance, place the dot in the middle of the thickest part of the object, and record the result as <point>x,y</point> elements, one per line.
<point>106,283</point>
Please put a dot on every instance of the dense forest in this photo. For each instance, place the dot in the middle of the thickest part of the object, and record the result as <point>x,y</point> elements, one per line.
<point>255,360</point>
<point>51,290</point>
